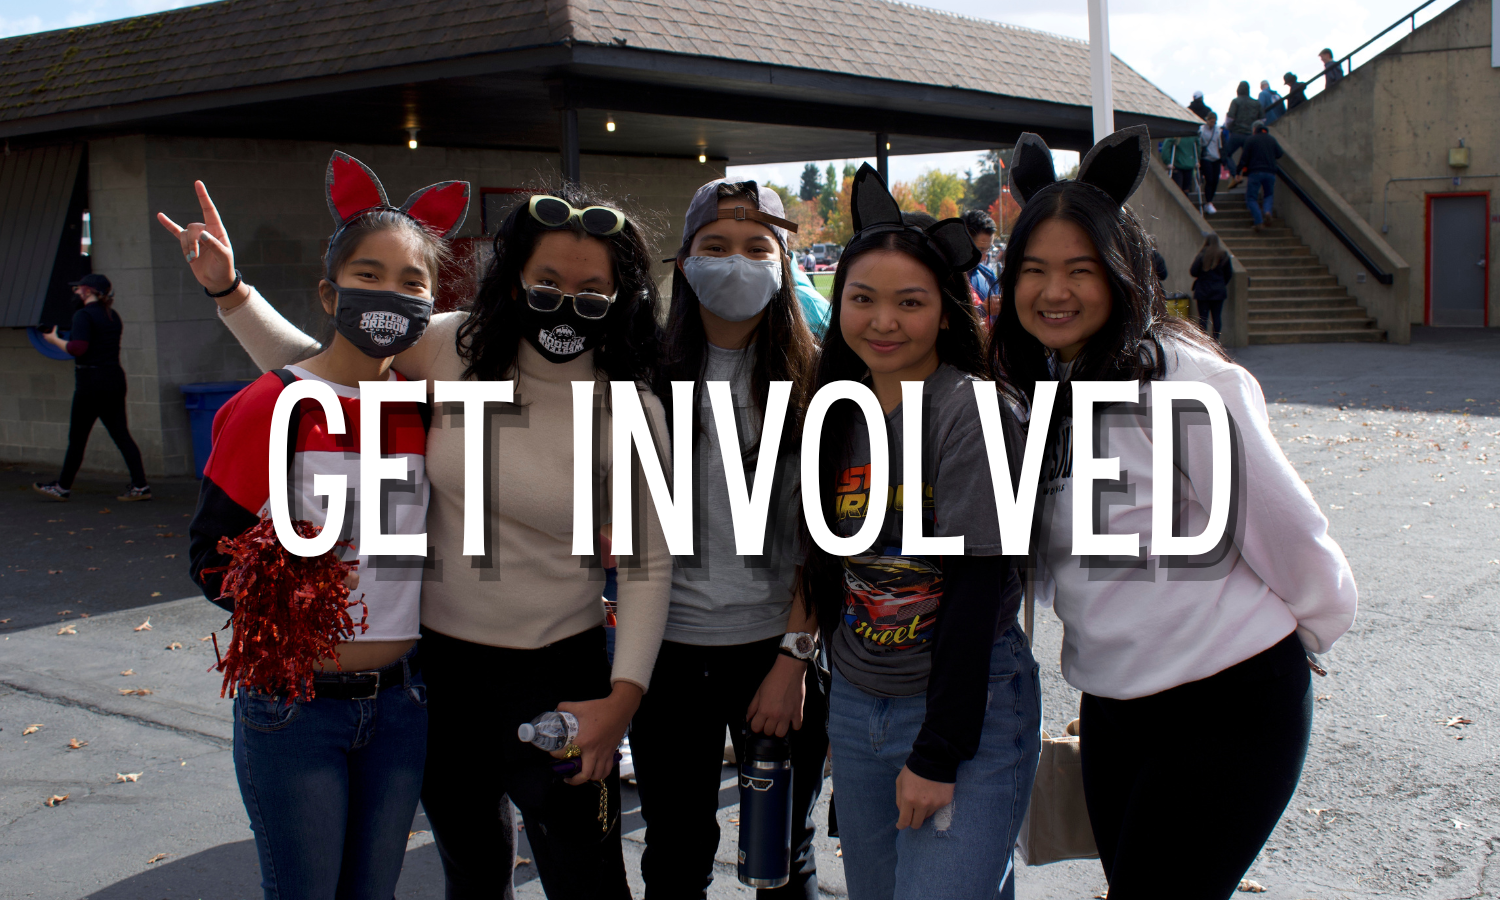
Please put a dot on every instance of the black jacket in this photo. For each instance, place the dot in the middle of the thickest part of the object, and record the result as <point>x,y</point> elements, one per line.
<point>1260,154</point>
<point>1211,285</point>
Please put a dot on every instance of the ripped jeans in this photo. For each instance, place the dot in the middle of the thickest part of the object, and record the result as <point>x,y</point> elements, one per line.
<point>963,851</point>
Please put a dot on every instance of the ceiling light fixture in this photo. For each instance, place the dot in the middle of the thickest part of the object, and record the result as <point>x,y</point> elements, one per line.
<point>609,124</point>
<point>411,137</point>
<point>702,157</point>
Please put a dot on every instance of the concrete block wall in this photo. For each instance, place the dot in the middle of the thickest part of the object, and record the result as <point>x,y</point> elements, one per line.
<point>270,196</point>
<point>1396,116</point>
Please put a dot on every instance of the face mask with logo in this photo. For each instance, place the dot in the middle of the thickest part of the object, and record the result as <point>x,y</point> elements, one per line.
<point>560,335</point>
<point>380,323</point>
<point>734,288</point>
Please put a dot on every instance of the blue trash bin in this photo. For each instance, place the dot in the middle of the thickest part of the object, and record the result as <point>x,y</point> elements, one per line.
<point>203,401</point>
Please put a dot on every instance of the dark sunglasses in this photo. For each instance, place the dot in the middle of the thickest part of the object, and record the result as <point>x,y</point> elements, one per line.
<point>554,212</point>
<point>588,304</point>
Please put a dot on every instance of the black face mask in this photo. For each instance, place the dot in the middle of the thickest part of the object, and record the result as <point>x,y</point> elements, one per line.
<point>561,335</point>
<point>380,323</point>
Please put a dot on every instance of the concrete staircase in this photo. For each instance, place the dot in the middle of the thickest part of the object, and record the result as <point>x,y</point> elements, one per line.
<point>1293,297</point>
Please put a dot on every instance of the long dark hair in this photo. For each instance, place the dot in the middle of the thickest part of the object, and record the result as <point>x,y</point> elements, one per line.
<point>784,347</point>
<point>490,338</point>
<point>1129,346</point>
<point>960,344</point>
<point>1213,253</point>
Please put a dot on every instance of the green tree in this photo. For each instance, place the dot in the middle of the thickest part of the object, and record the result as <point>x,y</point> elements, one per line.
<point>933,187</point>
<point>829,198</point>
<point>812,186</point>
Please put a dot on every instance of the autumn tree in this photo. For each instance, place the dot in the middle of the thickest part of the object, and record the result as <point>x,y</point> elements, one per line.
<point>933,187</point>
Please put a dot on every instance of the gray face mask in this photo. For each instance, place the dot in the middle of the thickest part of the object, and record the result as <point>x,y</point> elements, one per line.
<point>734,288</point>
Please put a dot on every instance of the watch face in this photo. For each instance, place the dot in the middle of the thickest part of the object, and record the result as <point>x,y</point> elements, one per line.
<point>804,645</point>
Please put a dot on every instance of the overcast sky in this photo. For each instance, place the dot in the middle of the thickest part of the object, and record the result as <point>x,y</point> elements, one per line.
<point>1179,45</point>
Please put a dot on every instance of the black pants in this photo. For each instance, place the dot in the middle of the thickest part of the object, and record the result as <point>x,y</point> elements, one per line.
<point>1183,787</point>
<point>477,696</point>
<point>99,393</point>
<point>1184,179</point>
<point>677,740</point>
<point>1209,169</point>
<point>1211,310</point>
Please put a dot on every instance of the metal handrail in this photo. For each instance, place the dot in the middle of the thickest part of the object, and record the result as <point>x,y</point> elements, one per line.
<point>1380,274</point>
<point>1349,57</point>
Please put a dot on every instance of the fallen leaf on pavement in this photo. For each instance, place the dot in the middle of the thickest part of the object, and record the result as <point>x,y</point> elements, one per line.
<point>4,621</point>
<point>144,626</point>
<point>137,692</point>
<point>171,556</point>
<point>93,568</point>
<point>83,615</point>
<point>1322,697</point>
<point>1458,824</point>
<point>206,637</point>
<point>76,744</point>
<point>157,858</point>
<point>128,672</point>
<point>156,593</point>
<point>1317,812</point>
<point>65,612</point>
<point>68,629</point>
<point>175,645</point>
<point>1251,887</point>
<point>54,571</point>
<point>1458,721</point>
<point>123,777</point>
<point>30,729</point>
<point>55,799</point>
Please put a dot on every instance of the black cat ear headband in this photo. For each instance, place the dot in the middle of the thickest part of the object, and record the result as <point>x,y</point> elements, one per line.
<point>875,211</point>
<point>1116,165</point>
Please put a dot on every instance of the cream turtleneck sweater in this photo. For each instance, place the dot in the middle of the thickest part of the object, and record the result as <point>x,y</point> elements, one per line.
<point>529,590</point>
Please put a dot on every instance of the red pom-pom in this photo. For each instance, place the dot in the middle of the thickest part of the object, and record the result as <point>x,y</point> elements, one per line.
<point>290,612</point>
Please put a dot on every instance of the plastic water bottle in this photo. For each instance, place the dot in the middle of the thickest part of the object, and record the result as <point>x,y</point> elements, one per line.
<point>550,731</point>
<point>765,859</point>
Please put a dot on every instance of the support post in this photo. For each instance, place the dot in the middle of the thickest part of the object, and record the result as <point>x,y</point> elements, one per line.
<point>883,156</point>
<point>570,164</point>
<point>1099,70</point>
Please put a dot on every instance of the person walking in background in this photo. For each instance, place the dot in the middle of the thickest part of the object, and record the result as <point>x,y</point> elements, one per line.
<point>982,278</point>
<point>1211,271</point>
<point>1201,109</point>
<point>1296,91</point>
<point>1211,145</point>
<point>1332,72</point>
<point>1180,154</point>
<point>1270,102</point>
<point>98,388</point>
<point>1243,112</point>
<point>1258,165</point>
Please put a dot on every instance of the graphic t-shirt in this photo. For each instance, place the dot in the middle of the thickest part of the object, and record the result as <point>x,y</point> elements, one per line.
<point>893,601</point>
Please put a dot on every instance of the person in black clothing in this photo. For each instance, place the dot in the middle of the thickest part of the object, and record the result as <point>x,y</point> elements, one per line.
<point>98,388</point>
<point>1296,91</point>
<point>1258,165</point>
<point>1332,71</point>
<point>1211,271</point>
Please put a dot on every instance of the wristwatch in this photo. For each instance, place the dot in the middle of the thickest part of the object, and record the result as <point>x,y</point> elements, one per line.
<point>798,645</point>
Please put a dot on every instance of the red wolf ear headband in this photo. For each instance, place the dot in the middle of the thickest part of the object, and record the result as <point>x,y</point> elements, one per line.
<point>1116,165</point>
<point>354,190</point>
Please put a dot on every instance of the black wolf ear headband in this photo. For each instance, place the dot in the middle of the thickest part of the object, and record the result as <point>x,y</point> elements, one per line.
<point>354,190</point>
<point>1116,165</point>
<point>875,211</point>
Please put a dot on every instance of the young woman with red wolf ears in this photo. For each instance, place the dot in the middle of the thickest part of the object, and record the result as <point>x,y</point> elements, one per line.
<point>935,710</point>
<point>1217,643</point>
<point>519,629</point>
<point>331,783</point>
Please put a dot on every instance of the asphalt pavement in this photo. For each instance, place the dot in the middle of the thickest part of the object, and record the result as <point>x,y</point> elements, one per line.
<point>1399,444</point>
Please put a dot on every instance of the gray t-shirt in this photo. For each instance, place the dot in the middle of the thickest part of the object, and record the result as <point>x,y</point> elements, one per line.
<point>892,601</point>
<point>718,596</point>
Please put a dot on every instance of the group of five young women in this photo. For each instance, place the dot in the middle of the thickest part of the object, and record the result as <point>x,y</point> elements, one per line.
<point>930,700</point>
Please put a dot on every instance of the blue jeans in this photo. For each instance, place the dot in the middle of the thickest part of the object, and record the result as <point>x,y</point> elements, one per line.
<point>964,851</point>
<point>1232,145</point>
<point>331,787</point>
<point>1255,184</point>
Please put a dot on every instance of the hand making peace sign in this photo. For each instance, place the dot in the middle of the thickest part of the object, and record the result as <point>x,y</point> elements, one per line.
<point>206,247</point>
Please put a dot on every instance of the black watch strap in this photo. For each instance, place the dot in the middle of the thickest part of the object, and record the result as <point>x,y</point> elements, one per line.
<point>238,278</point>
<point>790,655</point>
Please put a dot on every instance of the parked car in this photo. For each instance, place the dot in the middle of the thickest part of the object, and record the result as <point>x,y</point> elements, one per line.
<point>827,254</point>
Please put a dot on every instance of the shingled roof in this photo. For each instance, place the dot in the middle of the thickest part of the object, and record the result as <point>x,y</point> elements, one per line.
<point>225,47</point>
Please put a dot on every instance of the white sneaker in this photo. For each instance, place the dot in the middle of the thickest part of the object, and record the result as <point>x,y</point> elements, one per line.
<point>1208,208</point>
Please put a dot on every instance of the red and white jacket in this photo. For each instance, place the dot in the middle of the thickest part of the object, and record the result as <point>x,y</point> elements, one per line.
<point>235,491</point>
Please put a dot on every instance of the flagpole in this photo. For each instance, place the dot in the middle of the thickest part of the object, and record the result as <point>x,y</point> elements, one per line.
<point>1099,70</point>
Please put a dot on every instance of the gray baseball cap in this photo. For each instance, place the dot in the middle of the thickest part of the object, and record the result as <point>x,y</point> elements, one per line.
<point>705,208</point>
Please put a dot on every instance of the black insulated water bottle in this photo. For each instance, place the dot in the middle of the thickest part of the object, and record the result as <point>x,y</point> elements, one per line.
<point>765,812</point>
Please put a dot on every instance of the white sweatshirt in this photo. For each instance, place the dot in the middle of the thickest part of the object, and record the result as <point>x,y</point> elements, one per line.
<point>1133,628</point>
